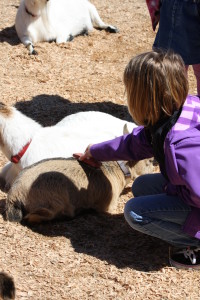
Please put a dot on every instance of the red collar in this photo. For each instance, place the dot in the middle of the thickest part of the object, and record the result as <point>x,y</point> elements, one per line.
<point>16,158</point>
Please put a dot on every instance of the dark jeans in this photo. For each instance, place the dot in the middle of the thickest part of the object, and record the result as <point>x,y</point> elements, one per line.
<point>156,214</point>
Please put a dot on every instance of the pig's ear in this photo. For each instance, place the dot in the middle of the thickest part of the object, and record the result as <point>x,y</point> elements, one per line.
<point>39,215</point>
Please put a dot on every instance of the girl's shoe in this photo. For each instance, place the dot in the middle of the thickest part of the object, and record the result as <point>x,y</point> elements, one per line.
<point>186,258</point>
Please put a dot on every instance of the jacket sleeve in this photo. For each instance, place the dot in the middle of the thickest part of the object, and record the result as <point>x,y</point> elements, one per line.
<point>133,146</point>
<point>183,168</point>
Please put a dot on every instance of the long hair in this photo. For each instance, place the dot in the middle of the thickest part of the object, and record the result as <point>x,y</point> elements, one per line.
<point>156,85</point>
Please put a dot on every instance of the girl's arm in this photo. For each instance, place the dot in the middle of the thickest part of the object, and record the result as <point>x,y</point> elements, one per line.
<point>133,146</point>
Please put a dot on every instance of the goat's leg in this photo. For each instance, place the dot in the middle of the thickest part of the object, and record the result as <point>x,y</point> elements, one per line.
<point>29,45</point>
<point>7,176</point>
<point>3,175</point>
<point>97,21</point>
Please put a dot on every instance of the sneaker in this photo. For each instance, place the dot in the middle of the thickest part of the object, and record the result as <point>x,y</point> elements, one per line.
<point>188,258</point>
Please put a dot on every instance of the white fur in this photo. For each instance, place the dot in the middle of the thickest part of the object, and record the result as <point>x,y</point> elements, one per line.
<point>72,134</point>
<point>58,20</point>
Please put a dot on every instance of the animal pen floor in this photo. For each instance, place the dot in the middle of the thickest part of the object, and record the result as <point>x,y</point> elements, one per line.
<point>93,256</point>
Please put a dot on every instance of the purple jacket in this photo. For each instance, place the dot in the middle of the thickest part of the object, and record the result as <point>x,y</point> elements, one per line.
<point>182,157</point>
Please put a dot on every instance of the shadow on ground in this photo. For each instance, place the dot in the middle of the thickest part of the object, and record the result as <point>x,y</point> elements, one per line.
<point>9,35</point>
<point>109,238</point>
<point>50,109</point>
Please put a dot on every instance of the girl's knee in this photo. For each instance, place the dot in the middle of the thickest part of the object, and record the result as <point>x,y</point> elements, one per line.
<point>132,211</point>
<point>133,215</point>
<point>128,210</point>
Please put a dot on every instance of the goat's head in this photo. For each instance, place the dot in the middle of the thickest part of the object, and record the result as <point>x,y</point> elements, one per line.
<point>34,6</point>
<point>5,114</point>
<point>5,110</point>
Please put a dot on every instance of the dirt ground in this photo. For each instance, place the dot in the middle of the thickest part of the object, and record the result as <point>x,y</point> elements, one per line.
<point>93,256</point>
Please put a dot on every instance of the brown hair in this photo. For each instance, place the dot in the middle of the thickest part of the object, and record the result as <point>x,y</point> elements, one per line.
<point>156,85</point>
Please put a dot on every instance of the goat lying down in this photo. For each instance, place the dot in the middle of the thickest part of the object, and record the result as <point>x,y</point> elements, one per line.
<point>60,188</point>
<point>25,142</point>
<point>59,20</point>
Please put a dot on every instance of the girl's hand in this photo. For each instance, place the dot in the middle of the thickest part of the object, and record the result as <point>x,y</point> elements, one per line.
<point>87,153</point>
<point>87,158</point>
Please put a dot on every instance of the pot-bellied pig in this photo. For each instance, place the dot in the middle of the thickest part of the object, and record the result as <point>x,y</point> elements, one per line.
<point>61,188</point>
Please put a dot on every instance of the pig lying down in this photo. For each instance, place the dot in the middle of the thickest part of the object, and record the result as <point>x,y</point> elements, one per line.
<point>25,142</point>
<point>59,20</point>
<point>61,188</point>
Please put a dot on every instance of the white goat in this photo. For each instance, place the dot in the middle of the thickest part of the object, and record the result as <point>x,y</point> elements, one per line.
<point>24,141</point>
<point>60,188</point>
<point>59,20</point>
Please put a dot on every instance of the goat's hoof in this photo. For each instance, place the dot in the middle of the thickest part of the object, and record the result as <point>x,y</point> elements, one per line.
<point>85,32</point>
<point>34,52</point>
<point>70,38</point>
<point>112,29</point>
